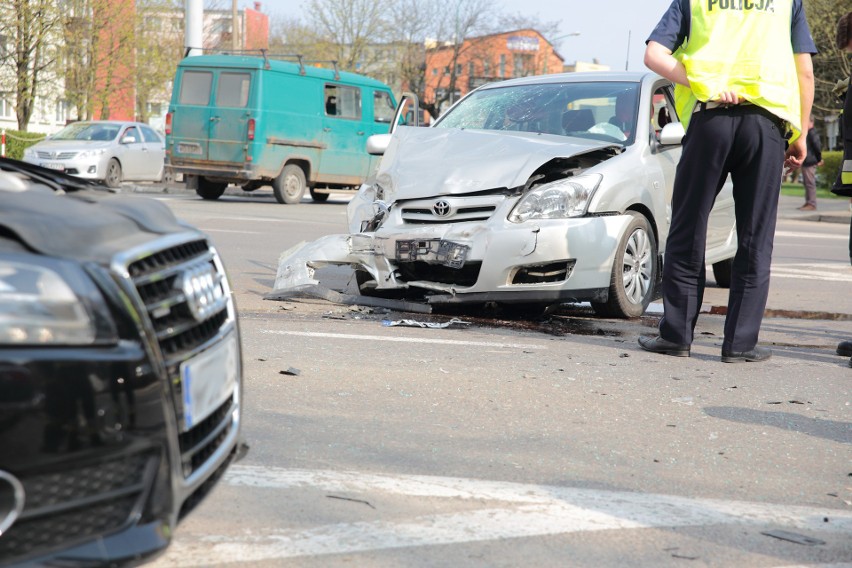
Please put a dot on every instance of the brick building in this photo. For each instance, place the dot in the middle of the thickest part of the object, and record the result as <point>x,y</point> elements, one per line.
<point>484,59</point>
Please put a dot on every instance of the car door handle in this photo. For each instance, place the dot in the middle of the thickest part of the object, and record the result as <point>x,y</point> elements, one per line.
<point>360,133</point>
<point>215,119</point>
<point>326,129</point>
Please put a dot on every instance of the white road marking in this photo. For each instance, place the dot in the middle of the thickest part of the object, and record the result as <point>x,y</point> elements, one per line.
<point>405,339</point>
<point>822,271</point>
<point>802,235</point>
<point>527,511</point>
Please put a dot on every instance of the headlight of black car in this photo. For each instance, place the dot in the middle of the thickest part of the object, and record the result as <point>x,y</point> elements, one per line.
<point>50,302</point>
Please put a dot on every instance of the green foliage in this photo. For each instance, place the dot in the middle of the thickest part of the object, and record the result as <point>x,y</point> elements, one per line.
<point>829,169</point>
<point>17,141</point>
<point>831,63</point>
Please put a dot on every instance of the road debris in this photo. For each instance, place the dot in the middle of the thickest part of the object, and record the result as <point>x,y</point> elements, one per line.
<point>429,324</point>
<point>367,503</point>
<point>793,537</point>
<point>291,371</point>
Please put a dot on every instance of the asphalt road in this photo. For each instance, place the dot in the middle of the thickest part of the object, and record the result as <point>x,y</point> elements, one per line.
<point>554,442</point>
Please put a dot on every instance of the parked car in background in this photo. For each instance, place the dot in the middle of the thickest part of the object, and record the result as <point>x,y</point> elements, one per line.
<point>107,151</point>
<point>120,371</point>
<point>539,190</point>
<point>257,121</point>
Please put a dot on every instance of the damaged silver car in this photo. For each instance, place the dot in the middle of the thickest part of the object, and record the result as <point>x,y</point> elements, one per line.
<point>540,190</point>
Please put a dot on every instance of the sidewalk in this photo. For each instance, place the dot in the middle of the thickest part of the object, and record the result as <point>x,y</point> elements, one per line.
<point>828,210</point>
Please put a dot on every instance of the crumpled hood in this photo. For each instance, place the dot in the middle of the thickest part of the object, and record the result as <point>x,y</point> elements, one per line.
<point>424,162</point>
<point>87,225</point>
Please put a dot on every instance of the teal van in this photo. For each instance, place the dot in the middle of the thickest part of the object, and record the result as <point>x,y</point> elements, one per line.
<point>256,121</point>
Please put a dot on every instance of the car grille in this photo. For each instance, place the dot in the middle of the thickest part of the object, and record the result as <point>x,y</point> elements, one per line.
<point>75,505</point>
<point>181,333</point>
<point>465,276</point>
<point>450,210</point>
<point>59,156</point>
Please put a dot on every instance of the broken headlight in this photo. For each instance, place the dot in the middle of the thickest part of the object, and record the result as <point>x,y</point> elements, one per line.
<point>560,199</point>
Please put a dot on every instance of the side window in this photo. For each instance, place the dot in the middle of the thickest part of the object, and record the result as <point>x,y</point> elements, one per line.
<point>232,90</point>
<point>131,136</point>
<point>195,88</point>
<point>150,135</point>
<point>383,109</point>
<point>662,109</point>
<point>342,101</point>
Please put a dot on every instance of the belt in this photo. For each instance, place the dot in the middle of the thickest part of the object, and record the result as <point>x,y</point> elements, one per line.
<point>710,105</point>
<point>746,106</point>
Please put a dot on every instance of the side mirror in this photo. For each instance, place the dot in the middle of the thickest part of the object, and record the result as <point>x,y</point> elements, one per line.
<point>377,144</point>
<point>672,134</point>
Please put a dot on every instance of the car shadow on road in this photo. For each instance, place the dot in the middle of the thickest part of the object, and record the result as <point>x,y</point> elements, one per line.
<point>827,429</point>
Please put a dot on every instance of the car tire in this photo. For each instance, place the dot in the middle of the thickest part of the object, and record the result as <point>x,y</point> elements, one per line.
<point>290,185</point>
<point>319,197</point>
<point>113,176</point>
<point>634,272</point>
<point>210,190</point>
<point>722,272</point>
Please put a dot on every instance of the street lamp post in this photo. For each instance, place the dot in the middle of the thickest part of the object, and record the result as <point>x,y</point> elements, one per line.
<point>553,41</point>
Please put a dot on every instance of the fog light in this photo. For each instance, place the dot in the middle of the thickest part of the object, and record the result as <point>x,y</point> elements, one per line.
<point>92,169</point>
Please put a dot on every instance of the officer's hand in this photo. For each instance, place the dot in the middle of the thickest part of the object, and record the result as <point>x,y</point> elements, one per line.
<point>795,154</point>
<point>729,98</point>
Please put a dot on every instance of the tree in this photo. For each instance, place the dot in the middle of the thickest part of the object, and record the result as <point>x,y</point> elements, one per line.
<point>831,63</point>
<point>27,27</point>
<point>160,46</point>
<point>349,27</point>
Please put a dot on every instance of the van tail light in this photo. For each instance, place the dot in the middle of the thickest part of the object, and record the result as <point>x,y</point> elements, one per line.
<point>169,123</point>
<point>251,129</point>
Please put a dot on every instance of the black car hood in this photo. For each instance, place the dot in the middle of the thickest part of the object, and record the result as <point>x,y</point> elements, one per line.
<point>88,224</point>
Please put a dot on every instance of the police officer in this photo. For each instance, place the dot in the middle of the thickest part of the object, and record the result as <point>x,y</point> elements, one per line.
<point>743,89</point>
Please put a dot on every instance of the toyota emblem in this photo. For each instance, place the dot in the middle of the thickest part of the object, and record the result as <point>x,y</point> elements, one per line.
<point>441,208</point>
<point>11,500</point>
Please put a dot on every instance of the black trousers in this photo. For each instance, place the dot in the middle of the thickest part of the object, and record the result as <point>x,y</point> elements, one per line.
<point>746,142</point>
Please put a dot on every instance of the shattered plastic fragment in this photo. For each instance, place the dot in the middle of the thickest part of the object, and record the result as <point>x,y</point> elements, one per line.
<point>415,323</point>
<point>292,371</point>
<point>793,537</point>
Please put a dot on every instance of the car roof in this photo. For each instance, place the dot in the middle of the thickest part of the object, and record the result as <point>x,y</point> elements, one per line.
<point>583,77</point>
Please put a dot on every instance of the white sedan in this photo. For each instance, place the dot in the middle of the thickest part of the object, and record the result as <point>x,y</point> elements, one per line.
<point>103,150</point>
<point>539,190</point>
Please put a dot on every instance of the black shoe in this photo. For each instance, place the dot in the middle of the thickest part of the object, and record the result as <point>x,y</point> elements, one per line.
<point>659,345</point>
<point>844,348</point>
<point>756,355</point>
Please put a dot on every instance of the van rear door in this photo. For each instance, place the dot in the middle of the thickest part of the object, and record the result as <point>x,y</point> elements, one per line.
<point>229,117</point>
<point>191,116</point>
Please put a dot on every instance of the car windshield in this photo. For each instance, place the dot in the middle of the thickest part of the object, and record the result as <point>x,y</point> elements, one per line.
<point>595,110</point>
<point>87,131</point>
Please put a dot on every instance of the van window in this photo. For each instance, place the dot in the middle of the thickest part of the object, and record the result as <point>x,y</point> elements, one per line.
<point>383,109</point>
<point>195,88</point>
<point>233,90</point>
<point>342,101</point>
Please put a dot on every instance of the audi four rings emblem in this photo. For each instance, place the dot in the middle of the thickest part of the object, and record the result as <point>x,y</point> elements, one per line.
<point>204,296</point>
<point>441,208</point>
<point>11,500</point>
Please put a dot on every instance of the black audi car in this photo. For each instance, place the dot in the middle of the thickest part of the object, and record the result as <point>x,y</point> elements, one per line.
<point>120,372</point>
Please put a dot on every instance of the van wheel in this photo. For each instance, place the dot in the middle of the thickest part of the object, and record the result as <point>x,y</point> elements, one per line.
<point>210,190</point>
<point>289,186</point>
<point>634,272</point>
<point>319,197</point>
<point>113,174</point>
<point>722,272</point>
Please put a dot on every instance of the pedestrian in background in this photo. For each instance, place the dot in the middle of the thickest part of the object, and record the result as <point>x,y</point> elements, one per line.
<point>843,184</point>
<point>743,89</point>
<point>809,167</point>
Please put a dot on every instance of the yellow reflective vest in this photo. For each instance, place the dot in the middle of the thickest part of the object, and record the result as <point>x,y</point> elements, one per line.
<point>742,46</point>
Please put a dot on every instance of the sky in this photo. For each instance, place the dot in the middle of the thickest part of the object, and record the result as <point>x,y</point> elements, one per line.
<point>611,31</point>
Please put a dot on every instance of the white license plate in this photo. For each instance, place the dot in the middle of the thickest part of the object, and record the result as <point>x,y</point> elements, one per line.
<point>53,166</point>
<point>208,379</point>
<point>189,149</point>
